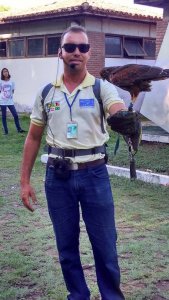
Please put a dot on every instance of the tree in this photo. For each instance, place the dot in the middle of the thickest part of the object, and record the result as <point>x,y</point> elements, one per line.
<point>4,8</point>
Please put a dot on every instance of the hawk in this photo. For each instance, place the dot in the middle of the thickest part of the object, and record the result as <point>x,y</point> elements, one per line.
<point>134,78</point>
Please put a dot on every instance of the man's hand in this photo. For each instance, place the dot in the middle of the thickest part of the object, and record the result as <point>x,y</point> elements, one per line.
<point>124,122</point>
<point>27,195</point>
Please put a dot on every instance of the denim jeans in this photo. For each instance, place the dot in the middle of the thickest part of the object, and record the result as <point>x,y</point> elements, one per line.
<point>91,189</point>
<point>14,114</point>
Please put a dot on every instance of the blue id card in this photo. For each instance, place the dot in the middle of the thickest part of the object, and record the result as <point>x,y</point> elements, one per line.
<point>86,103</point>
<point>72,130</point>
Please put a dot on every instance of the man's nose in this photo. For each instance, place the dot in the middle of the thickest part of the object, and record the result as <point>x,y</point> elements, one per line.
<point>77,51</point>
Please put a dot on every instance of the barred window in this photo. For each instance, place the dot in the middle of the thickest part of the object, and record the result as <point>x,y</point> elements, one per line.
<point>150,47</point>
<point>16,48</point>
<point>3,49</point>
<point>53,44</point>
<point>113,45</point>
<point>35,46</point>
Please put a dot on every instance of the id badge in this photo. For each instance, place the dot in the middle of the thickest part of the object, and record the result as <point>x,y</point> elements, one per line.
<point>72,130</point>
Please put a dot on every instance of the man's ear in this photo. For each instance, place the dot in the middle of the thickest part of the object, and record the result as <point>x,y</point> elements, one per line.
<point>89,52</point>
<point>60,53</point>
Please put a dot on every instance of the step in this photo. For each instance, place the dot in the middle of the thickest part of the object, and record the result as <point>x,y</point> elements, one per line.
<point>155,138</point>
<point>141,175</point>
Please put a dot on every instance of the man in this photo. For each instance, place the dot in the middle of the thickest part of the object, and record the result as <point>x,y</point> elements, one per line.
<point>76,171</point>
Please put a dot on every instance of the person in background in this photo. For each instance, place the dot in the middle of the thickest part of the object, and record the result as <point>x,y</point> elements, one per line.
<point>6,100</point>
<point>76,172</point>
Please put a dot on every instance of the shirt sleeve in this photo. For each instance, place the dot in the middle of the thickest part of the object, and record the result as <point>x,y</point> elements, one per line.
<point>109,95</point>
<point>37,111</point>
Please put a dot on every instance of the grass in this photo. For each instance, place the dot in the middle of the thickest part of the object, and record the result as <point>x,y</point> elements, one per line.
<point>151,156</point>
<point>29,267</point>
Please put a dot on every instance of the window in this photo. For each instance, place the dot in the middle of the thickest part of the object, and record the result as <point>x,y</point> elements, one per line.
<point>131,47</point>
<point>16,48</point>
<point>150,47</point>
<point>113,46</point>
<point>3,48</point>
<point>35,46</point>
<point>53,44</point>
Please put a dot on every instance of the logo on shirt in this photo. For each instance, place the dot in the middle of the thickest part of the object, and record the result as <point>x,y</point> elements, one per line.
<point>7,91</point>
<point>51,107</point>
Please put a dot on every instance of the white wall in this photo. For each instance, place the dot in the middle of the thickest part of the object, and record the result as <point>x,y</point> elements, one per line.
<point>29,76</point>
<point>156,104</point>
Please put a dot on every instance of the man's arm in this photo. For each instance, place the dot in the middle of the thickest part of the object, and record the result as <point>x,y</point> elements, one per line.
<point>31,148</point>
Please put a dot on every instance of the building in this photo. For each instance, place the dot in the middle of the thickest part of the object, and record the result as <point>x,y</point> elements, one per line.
<point>161,25</point>
<point>29,40</point>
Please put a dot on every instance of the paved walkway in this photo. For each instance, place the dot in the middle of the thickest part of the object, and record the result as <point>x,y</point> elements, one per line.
<point>153,133</point>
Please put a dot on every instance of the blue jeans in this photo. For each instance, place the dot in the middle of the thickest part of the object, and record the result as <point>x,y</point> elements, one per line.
<point>91,188</point>
<point>14,114</point>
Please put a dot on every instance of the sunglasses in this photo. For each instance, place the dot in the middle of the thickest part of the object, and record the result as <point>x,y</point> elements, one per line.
<point>70,48</point>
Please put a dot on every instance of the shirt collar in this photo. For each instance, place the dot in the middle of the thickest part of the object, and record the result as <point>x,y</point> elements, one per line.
<point>88,81</point>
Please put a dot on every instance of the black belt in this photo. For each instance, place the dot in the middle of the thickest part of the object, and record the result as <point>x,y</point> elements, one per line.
<point>79,166</point>
<point>76,152</point>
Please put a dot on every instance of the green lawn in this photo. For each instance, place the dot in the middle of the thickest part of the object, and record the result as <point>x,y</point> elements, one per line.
<point>151,156</point>
<point>29,268</point>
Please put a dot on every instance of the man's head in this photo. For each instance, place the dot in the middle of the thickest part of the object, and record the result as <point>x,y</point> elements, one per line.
<point>73,29</point>
<point>74,49</point>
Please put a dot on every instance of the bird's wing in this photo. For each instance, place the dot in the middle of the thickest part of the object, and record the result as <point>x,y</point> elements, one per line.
<point>124,75</point>
<point>134,78</point>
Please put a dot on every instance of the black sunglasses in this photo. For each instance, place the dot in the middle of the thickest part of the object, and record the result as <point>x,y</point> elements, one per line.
<point>70,48</point>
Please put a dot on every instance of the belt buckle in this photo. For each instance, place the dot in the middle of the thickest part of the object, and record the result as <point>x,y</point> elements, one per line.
<point>74,166</point>
<point>68,152</point>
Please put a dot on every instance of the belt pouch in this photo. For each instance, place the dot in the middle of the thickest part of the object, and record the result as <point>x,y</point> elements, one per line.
<point>62,168</point>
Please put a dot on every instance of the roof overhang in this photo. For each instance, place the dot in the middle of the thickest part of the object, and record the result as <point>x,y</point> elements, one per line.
<point>155,3</point>
<point>80,10</point>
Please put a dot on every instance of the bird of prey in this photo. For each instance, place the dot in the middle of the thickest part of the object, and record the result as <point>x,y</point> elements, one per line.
<point>134,78</point>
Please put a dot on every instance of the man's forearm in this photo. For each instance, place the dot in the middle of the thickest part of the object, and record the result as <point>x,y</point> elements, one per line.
<point>116,107</point>
<point>30,152</point>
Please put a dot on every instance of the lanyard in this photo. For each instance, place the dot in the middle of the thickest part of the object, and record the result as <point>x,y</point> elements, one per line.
<point>70,105</point>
